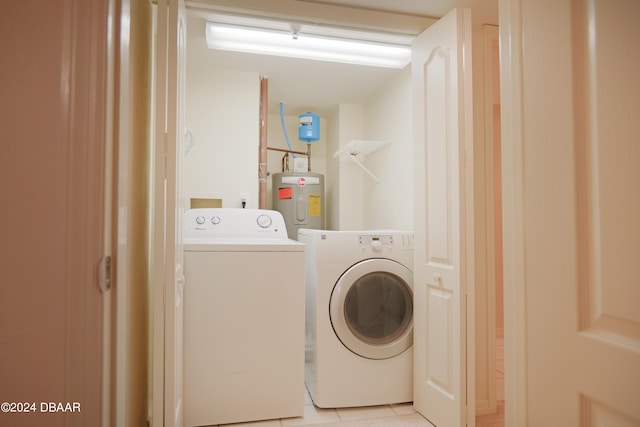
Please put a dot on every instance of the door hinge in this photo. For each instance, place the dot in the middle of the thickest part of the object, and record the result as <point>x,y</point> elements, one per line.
<point>104,274</point>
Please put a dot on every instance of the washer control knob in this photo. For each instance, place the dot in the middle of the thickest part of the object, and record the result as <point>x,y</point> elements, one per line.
<point>264,221</point>
<point>199,220</point>
<point>215,220</point>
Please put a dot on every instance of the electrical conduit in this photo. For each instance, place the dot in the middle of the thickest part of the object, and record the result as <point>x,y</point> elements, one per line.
<point>262,148</point>
<point>284,129</point>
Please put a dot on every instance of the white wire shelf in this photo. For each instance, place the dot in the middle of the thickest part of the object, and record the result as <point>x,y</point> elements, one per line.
<point>357,150</point>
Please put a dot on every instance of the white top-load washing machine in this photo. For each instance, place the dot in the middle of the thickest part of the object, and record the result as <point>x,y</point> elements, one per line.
<point>243,317</point>
<point>359,317</point>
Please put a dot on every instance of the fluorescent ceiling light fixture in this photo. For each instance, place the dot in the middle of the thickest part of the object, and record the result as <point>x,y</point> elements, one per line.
<point>310,42</point>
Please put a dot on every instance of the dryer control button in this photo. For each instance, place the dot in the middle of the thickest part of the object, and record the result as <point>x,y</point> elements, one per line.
<point>264,221</point>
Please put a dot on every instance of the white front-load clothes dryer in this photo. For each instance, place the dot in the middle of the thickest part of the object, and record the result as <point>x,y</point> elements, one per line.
<point>359,317</point>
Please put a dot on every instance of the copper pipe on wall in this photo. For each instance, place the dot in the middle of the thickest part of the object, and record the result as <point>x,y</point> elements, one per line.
<point>262,147</point>
<point>284,150</point>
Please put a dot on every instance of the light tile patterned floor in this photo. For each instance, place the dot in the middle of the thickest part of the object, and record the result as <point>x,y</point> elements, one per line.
<point>402,415</point>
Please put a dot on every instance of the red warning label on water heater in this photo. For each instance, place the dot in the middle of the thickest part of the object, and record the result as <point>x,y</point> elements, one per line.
<point>302,181</point>
<point>285,193</point>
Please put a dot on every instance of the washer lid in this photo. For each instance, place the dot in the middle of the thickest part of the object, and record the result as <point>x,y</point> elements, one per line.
<point>371,308</point>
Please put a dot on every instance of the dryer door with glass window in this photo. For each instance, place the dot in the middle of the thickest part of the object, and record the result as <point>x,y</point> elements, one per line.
<point>371,308</point>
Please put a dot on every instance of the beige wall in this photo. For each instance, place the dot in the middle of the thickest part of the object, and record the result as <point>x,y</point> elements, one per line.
<point>351,190</point>
<point>388,116</point>
<point>358,201</point>
<point>222,107</point>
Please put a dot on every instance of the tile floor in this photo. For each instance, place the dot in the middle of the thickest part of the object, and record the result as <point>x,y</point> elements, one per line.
<point>401,415</point>
<point>497,419</point>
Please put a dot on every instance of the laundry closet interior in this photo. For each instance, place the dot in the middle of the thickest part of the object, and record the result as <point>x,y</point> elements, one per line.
<point>358,107</point>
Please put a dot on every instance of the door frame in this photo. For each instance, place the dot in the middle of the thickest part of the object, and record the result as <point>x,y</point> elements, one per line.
<point>491,274</point>
<point>160,271</point>
<point>166,247</point>
<point>513,215</point>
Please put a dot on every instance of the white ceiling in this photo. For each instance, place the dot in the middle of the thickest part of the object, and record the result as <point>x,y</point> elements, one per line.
<point>305,85</point>
<point>431,8</point>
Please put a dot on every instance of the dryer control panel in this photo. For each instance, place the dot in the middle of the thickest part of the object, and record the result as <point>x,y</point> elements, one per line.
<point>377,242</point>
<point>234,223</point>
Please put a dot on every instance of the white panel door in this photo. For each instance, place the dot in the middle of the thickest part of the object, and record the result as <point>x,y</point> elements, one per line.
<point>573,212</point>
<point>442,83</point>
